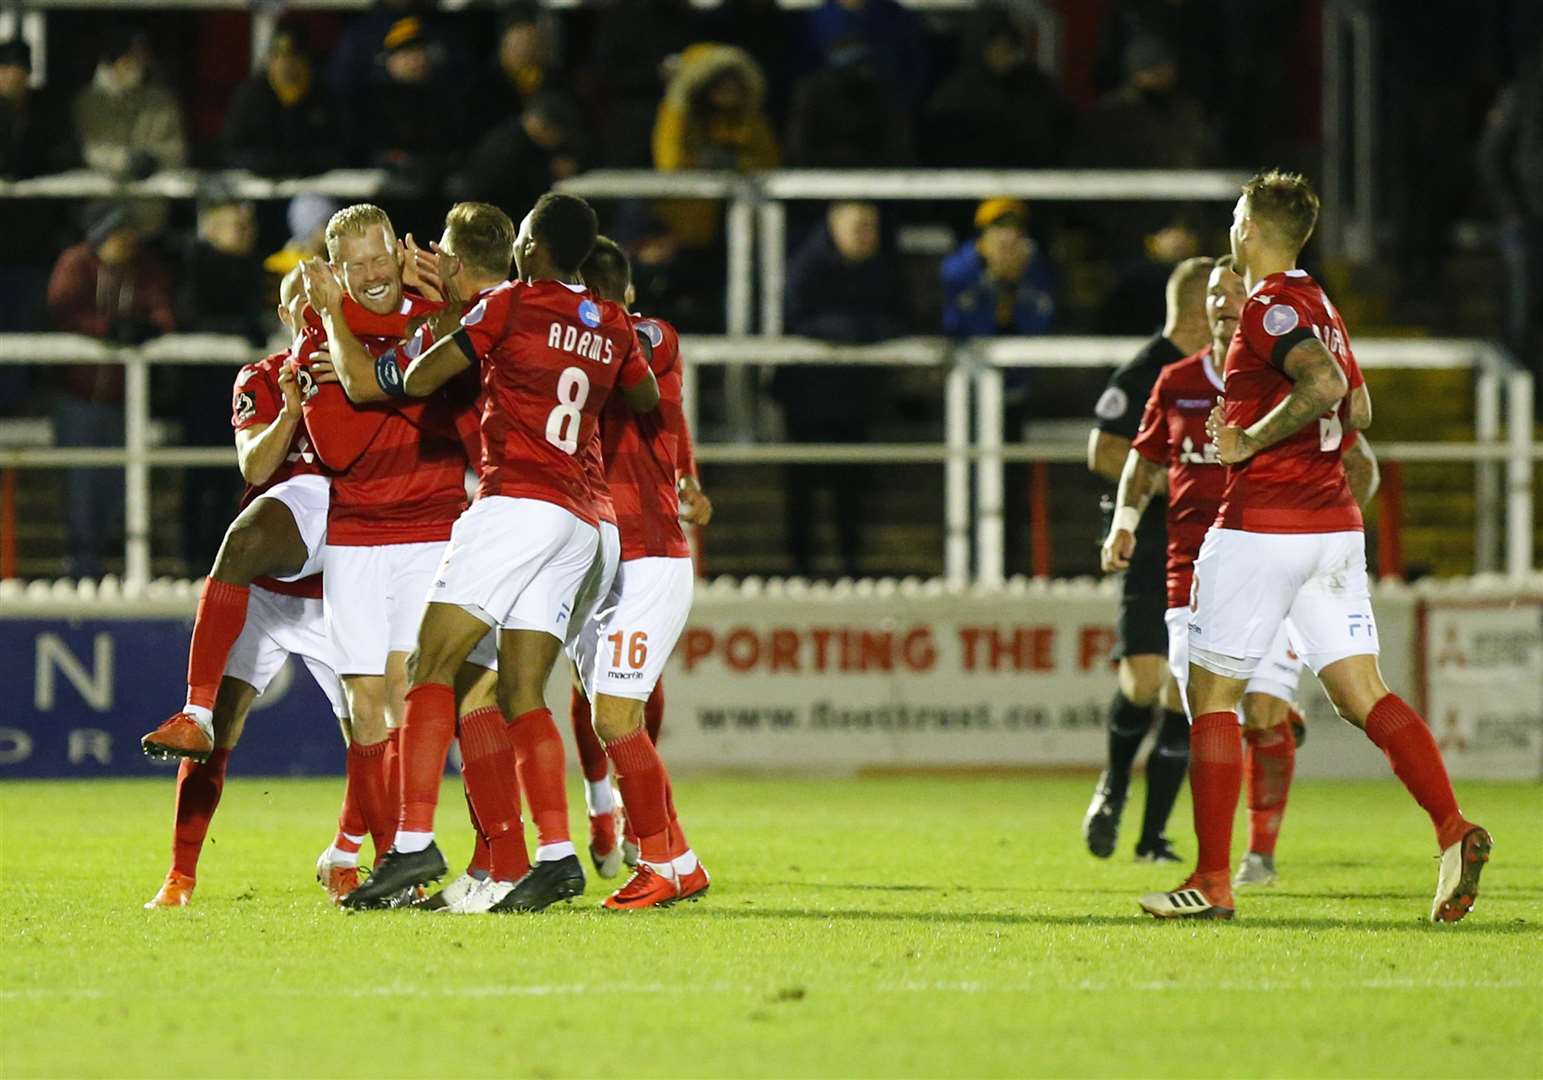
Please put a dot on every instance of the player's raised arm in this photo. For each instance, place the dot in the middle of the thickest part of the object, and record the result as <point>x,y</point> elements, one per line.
<point>261,447</point>
<point>351,361</point>
<point>433,368</point>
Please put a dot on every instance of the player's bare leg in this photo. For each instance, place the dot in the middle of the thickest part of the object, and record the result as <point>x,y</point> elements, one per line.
<point>668,870</point>
<point>1356,688</point>
<point>337,868</point>
<point>445,639</point>
<point>1269,761</point>
<point>604,850</point>
<point>199,786</point>
<point>263,539</point>
<point>525,662</point>
<point>1215,781</point>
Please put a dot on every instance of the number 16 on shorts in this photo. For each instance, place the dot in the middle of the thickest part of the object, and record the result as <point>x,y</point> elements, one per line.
<point>653,603</point>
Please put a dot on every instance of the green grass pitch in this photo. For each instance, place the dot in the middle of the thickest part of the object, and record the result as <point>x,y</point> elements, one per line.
<point>940,926</point>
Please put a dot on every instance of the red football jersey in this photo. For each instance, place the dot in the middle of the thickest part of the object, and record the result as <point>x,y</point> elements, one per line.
<point>599,489</point>
<point>1173,435</point>
<point>400,467</point>
<point>1297,485</point>
<point>642,454</point>
<point>257,399</point>
<point>550,354</point>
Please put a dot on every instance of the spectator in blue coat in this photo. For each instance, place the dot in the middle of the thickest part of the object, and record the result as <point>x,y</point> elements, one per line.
<point>893,36</point>
<point>999,282</point>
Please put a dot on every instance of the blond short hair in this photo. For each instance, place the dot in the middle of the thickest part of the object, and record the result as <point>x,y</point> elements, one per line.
<point>1285,205</point>
<point>356,220</point>
<point>482,236</point>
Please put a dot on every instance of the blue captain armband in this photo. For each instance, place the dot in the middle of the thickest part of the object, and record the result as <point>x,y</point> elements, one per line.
<point>388,375</point>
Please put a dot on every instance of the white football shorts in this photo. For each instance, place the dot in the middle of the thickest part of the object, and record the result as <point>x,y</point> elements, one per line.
<point>374,598</point>
<point>516,564</point>
<point>1277,675</point>
<point>595,595</point>
<point>307,498</point>
<point>278,627</point>
<point>639,624</point>
<point>1248,583</point>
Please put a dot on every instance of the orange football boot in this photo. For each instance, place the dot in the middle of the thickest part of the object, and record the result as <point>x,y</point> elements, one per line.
<point>179,736</point>
<point>646,888</point>
<point>340,881</point>
<point>694,885</point>
<point>176,891</point>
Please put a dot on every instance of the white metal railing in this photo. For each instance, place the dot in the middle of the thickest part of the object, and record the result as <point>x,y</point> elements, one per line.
<point>972,369</point>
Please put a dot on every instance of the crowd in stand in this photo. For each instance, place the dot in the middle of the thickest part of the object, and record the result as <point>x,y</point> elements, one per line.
<point>497,103</point>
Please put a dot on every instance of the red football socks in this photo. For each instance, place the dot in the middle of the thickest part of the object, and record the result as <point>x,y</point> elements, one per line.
<point>198,793</point>
<point>481,857</point>
<point>367,791</point>
<point>653,712</point>
<point>539,750</point>
<point>427,732</point>
<point>493,789</point>
<point>221,615</point>
<point>1270,758</point>
<point>592,757</point>
<point>351,821</point>
<point>1400,733</point>
<point>391,765</point>
<point>1215,781</point>
<point>643,781</point>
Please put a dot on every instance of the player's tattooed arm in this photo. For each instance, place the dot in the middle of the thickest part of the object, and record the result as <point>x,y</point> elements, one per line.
<point>261,448</point>
<point>1319,384</point>
<point>1140,479</point>
<point>1361,470</point>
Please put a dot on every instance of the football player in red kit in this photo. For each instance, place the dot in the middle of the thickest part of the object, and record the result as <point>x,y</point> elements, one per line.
<point>1172,438</point>
<point>625,647</point>
<point>283,518</point>
<point>549,356</point>
<point>1288,543</point>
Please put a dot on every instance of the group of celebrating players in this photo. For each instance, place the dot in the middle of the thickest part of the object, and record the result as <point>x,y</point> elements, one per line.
<point>428,620</point>
<point>1251,427</point>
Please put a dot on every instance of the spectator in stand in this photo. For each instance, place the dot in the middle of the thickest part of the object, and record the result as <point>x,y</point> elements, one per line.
<point>1149,123</point>
<point>1511,163</point>
<point>27,139</point>
<point>893,35</point>
<point>126,124</point>
<point>222,276</point>
<point>354,69</point>
<point>998,282</point>
<point>712,117</point>
<point>1135,304</point>
<point>997,110</point>
<point>280,122</point>
<point>634,42</point>
<point>843,115</point>
<point>524,64</point>
<point>108,286</point>
<point>412,125</point>
<point>307,216</point>
<point>841,288</point>
<point>520,159</point>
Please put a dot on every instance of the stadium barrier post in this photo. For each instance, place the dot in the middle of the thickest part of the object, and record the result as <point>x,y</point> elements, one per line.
<point>136,487</point>
<point>739,382</point>
<point>1390,521</point>
<point>988,474</point>
<point>1039,518</point>
<point>1486,479</point>
<point>956,473</point>
<point>1519,467</point>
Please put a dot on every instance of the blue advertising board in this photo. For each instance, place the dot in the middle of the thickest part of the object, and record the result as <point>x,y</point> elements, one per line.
<point>76,695</point>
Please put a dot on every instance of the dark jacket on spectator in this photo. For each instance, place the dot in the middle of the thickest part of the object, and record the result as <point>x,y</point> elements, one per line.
<point>511,170</point>
<point>847,304</point>
<point>974,304</point>
<point>220,293</point>
<point>126,303</point>
<point>273,139</point>
<point>893,36</point>
<point>843,117</point>
<point>29,140</point>
<point>1016,120</point>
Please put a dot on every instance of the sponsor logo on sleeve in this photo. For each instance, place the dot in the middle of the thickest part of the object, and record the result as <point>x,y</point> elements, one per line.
<point>245,407</point>
<point>1280,319</point>
<point>1112,404</point>
<point>474,316</point>
<point>589,313</point>
<point>652,331</point>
